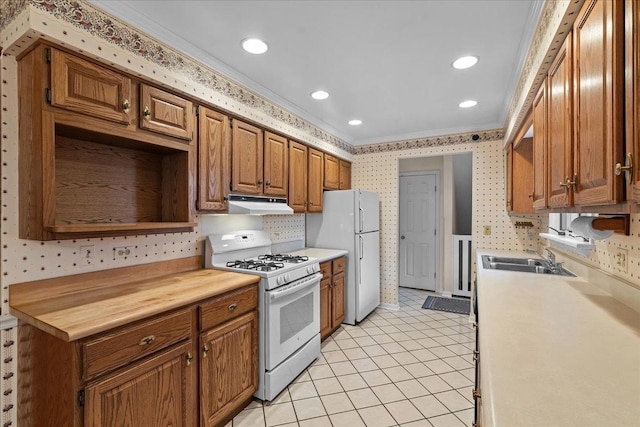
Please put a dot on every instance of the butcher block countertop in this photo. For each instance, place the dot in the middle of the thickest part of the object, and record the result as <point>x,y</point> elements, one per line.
<point>74,307</point>
<point>555,351</point>
<point>320,253</point>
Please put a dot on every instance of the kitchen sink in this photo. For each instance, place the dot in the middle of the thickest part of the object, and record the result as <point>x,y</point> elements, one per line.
<point>523,265</point>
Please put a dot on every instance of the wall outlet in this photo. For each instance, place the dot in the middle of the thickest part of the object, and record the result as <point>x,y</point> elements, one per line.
<point>122,252</point>
<point>620,259</point>
<point>87,255</point>
<point>486,229</point>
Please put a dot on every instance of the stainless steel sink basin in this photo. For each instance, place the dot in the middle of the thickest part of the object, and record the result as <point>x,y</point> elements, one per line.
<point>524,265</point>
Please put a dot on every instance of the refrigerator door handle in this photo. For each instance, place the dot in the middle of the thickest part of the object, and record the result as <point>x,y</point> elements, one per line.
<point>361,214</point>
<point>361,246</point>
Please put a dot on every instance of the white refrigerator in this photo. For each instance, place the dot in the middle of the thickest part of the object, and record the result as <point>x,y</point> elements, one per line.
<point>350,220</point>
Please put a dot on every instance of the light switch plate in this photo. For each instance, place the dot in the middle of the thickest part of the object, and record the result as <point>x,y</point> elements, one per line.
<point>486,230</point>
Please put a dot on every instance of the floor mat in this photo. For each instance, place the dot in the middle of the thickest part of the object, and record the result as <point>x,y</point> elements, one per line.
<point>447,304</point>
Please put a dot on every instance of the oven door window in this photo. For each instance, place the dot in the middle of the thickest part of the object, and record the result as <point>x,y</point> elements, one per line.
<point>291,322</point>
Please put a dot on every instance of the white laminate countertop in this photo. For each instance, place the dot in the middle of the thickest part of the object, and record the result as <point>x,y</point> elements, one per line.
<point>322,254</point>
<point>555,351</point>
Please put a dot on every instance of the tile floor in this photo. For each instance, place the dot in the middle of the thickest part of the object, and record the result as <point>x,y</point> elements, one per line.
<point>411,367</point>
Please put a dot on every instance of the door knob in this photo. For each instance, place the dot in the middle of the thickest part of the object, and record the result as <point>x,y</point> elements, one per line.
<point>401,237</point>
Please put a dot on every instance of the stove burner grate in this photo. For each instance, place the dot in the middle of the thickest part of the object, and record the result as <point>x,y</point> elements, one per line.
<point>255,265</point>
<point>284,258</point>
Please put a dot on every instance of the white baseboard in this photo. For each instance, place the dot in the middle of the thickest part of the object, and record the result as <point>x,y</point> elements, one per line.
<point>446,294</point>
<point>394,307</point>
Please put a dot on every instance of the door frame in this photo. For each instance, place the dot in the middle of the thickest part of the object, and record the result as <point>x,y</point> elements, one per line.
<point>438,287</point>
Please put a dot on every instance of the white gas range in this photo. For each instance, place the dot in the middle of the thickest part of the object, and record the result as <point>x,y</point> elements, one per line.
<point>288,305</point>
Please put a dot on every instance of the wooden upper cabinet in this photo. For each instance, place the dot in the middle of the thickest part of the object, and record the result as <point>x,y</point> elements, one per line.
<point>598,102</point>
<point>522,177</point>
<point>331,172</point>
<point>540,148</point>
<point>632,65</point>
<point>315,178</point>
<point>84,87</point>
<point>247,158</point>
<point>214,160</point>
<point>345,175</point>
<point>276,165</point>
<point>297,176</point>
<point>560,128</point>
<point>166,113</point>
<point>509,186</point>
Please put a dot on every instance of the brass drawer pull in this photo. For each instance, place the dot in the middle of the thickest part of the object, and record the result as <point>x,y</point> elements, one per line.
<point>189,358</point>
<point>233,306</point>
<point>147,340</point>
<point>146,112</point>
<point>205,350</point>
<point>125,106</point>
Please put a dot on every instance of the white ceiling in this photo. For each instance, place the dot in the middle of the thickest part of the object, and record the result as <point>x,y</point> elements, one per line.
<point>387,63</point>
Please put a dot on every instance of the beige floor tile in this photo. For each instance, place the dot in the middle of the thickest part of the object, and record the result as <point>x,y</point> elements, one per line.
<point>437,366</point>
<point>447,420</point>
<point>363,398</point>
<point>394,347</point>
<point>457,362</point>
<point>399,336</point>
<point>388,393</point>
<point>364,365</point>
<point>340,334</point>
<point>334,356</point>
<point>406,327</point>
<point>466,416</point>
<point>309,408</point>
<point>469,373</point>
<point>429,406</point>
<point>373,330</point>
<point>419,423</point>
<point>377,416</point>
<point>319,372</point>
<point>303,377</point>
<point>356,332</point>
<point>364,341</point>
<point>319,361</point>
<point>352,382</point>
<point>466,392</point>
<point>302,390</point>
<point>411,345</point>
<point>397,373</point>
<point>374,350</point>
<point>415,334</point>
<point>355,353</point>
<point>442,352</point>
<point>315,422</point>
<point>456,379</point>
<point>383,339</point>
<point>327,386</point>
<point>444,340</point>
<point>255,403</point>
<point>423,355</point>
<point>459,349</point>
<point>374,378</point>
<point>343,368</point>
<point>280,413</point>
<point>405,358</point>
<point>253,417</point>
<point>389,329</point>
<point>284,396</point>
<point>385,361</point>
<point>418,370</point>
<point>403,411</point>
<point>412,388</point>
<point>338,402</point>
<point>453,400</point>
<point>434,384</point>
<point>347,343</point>
<point>329,345</point>
<point>347,419</point>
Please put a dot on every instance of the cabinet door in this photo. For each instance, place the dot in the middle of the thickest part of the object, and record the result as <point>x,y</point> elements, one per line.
<point>157,392</point>
<point>540,148</point>
<point>522,177</point>
<point>297,176</point>
<point>560,128</point>
<point>509,167</point>
<point>214,160</point>
<point>87,88</point>
<point>345,175</point>
<point>632,57</point>
<point>276,165</point>
<point>228,368</point>
<point>331,172</point>
<point>337,299</point>
<point>325,308</point>
<point>598,103</point>
<point>247,160</point>
<point>166,113</point>
<point>316,177</point>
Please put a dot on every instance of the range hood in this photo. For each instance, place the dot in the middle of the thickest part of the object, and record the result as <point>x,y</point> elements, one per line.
<point>257,205</point>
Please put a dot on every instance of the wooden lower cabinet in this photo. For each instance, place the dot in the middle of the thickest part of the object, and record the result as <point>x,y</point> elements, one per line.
<point>332,296</point>
<point>228,368</point>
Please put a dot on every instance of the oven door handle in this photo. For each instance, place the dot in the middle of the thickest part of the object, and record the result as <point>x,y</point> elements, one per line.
<point>295,287</point>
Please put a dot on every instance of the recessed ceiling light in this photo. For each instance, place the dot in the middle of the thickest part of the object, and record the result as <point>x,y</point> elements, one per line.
<point>468,103</point>
<point>255,46</point>
<point>355,122</point>
<point>320,94</point>
<point>465,62</point>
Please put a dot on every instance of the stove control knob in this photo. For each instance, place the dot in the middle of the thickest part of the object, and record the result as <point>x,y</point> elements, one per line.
<point>280,280</point>
<point>287,277</point>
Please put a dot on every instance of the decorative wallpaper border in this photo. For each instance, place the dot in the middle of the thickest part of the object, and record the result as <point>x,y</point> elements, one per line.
<point>434,141</point>
<point>112,30</point>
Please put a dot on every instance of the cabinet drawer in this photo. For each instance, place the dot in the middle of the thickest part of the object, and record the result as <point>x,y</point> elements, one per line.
<point>325,269</point>
<point>125,345</point>
<point>228,306</point>
<point>166,113</point>
<point>338,265</point>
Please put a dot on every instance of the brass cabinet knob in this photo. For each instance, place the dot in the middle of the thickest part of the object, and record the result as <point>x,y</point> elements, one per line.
<point>189,358</point>
<point>146,112</point>
<point>573,183</point>
<point>267,183</point>
<point>125,106</point>
<point>147,340</point>
<point>531,195</point>
<point>205,351</point>
<point>233,306</point>
<point>627,168</point>
<point>259,182</point>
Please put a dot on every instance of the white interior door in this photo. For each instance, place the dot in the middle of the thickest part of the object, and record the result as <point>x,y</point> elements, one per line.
<point>418,230</point>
